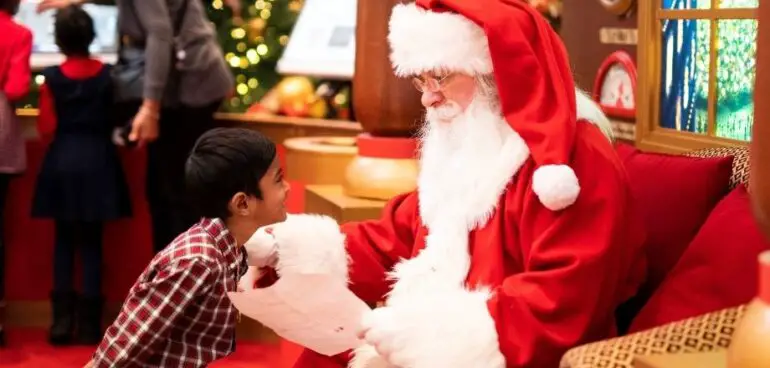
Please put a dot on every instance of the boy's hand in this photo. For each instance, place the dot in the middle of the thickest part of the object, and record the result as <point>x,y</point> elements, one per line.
<point>261,249</point>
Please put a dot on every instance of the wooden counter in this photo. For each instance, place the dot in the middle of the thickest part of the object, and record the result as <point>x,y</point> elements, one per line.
<point>277,128</point>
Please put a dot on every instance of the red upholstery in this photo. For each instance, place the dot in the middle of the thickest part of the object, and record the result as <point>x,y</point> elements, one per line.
<point>718,270</point>
<point>675,195</point>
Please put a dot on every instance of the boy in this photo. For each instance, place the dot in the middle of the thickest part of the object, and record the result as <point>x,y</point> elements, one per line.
<point>178,313</point>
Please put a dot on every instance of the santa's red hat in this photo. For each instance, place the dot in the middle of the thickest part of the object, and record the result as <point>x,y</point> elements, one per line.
<point>510,40</point>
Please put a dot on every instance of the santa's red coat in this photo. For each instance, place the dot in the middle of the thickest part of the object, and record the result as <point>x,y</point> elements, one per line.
<point>556,278</point>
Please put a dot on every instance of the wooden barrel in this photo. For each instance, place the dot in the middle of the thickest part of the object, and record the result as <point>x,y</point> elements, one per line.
<point>384,104</point>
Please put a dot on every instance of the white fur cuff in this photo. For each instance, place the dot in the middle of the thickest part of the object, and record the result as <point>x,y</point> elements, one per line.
<point>556,186</point>
<point>311,244</point>
<point>445,329</point>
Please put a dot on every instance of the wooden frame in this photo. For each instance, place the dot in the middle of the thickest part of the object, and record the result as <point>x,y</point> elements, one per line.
<point>649,134</point>
<point>627,63</point>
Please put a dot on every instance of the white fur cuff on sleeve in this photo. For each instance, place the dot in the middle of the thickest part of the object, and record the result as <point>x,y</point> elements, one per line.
<point>445,329</point>
<point>311,244</point>
<point>472,338</point>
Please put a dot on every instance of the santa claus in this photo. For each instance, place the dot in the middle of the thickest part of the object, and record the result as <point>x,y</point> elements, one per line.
<point>519,242</point>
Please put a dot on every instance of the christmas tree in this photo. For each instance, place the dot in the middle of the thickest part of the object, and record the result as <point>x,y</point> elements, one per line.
<point>253,35</point>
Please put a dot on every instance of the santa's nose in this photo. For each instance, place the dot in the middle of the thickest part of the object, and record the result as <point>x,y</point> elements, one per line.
<point>432,99</point>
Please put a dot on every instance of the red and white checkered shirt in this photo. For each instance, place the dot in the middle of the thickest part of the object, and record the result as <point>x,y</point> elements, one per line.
<point>178,314</point>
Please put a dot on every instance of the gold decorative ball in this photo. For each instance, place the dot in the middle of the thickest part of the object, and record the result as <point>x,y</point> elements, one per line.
<point>293,91</point>
<point>317,108</point>
<point>255,28</point>
<point>296,5</point>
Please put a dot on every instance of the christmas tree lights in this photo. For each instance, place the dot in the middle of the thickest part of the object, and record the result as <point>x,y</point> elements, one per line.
<point>253,35</point>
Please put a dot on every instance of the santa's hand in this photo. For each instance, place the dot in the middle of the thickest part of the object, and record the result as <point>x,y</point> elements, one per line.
<point>377,331</point>
<point>310,245</point>
<point>261,249</point>
<point>450,329</point>
<point>249,279</point>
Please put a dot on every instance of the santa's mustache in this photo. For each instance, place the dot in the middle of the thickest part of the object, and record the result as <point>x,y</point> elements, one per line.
<point>445,112</point>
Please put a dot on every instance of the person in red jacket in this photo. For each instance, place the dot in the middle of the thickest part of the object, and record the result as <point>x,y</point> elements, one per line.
<point>520,241</point>
<point>15,75</point>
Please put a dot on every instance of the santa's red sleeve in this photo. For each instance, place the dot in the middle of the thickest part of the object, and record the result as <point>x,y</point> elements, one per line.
<point>579,265</point>
<point>375,246</point>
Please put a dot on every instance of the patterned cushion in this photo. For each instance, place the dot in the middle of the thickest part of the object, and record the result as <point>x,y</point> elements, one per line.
<point>698,334</point>
<point>740,162</point>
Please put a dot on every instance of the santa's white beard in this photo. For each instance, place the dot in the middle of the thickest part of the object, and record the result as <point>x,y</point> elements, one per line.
<point>450,132</point>
<point>456,153</point>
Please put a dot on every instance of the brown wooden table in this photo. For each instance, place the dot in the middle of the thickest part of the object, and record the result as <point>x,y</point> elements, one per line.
<point>331,200</point>
<point>717,359</point>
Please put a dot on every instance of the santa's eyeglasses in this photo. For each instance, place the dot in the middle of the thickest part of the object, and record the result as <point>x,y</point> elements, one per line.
<point>431,84</point>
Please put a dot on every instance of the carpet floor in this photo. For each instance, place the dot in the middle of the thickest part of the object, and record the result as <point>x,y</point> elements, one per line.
<point>28,348</point>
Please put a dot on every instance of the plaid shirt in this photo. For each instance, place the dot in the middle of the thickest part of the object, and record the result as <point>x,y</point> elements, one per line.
<point>178,314</point>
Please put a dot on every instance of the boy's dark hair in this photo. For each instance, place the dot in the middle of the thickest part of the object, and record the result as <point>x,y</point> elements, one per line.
<point>223,162</point>
<point>10,7</point>
<point>74,31</point>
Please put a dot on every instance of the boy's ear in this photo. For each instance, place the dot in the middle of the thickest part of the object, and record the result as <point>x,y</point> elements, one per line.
<point>239,204</point>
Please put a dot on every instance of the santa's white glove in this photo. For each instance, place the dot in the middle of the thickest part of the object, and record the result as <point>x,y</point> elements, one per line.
<point>451,329</point>
<point>249,279</point>
<point>261,249</point>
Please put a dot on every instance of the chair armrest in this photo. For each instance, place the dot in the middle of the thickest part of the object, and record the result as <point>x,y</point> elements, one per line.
<point>698,334</point>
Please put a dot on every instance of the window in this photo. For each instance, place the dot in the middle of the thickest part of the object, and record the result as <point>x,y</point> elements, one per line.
<point>697,62</point>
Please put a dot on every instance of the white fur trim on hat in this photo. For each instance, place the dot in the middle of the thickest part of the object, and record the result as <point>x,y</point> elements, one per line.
<point>422,40</point>
<point>556,186</point>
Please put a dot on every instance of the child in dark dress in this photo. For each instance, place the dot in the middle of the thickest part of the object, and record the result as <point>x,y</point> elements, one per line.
<point>81,184</point>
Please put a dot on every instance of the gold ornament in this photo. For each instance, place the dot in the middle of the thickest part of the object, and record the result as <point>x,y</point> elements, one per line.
<point>271,102</point>
<point>294,92</point>
<point>318,108</point>
<point>295,5</point>
<point>256,28</point>
<point>342,99</point>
